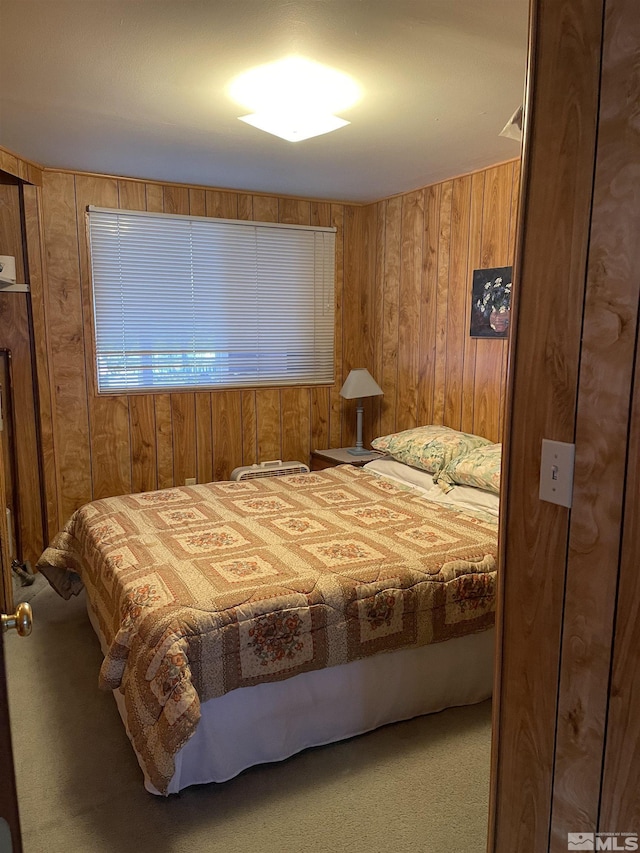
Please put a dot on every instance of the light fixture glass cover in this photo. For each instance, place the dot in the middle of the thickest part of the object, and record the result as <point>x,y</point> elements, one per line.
<point>294,127</point>
<point>294,82</point>
<point>294,98</point>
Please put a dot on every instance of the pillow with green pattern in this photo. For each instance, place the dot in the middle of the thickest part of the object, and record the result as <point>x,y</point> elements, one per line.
<point>479,468</point>
<point>431,448</point>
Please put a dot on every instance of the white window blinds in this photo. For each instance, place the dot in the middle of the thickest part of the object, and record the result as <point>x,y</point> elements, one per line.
<point>183,302</point>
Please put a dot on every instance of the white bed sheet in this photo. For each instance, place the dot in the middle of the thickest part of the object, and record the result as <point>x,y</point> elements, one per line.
<point>467,498</point>
<point>271,722</point>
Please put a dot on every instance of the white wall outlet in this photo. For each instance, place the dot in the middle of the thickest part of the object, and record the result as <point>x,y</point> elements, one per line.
<point>556,472</point>
<point>190,481</point>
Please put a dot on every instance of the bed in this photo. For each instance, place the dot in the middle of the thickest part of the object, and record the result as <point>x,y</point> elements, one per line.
<point>242,622</point>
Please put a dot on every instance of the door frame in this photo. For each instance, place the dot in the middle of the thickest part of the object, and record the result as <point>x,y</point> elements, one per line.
<point>8,792</point>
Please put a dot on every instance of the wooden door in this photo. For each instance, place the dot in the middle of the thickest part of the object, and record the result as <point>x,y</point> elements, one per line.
<point>566,699</point>
<point>17,342</point>
<point>9,818</point>
<point>6,587</point>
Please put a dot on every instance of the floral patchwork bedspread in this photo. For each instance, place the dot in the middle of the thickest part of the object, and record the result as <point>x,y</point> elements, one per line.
<point>202,589</point>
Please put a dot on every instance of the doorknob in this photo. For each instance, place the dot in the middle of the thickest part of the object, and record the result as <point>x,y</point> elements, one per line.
<point>21,620</point>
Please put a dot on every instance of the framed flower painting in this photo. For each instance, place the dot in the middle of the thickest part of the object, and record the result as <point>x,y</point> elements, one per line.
<point>491,302</point>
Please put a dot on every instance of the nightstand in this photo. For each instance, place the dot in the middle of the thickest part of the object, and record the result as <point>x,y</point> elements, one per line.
<point>340,456</point>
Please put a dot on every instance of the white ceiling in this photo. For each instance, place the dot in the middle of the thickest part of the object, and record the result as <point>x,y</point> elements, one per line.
<point>137,88</point>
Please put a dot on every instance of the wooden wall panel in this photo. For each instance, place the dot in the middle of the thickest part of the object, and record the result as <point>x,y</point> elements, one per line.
<point>621,774</point>
<point>389,307</point>
<point>204,438</point>
<point>108,416</point>
<point>141,442</point>
<point>18,167</point>
<point>245,206</point>
<point>65,322</point>
<point>432,371</point>
<point>320,402</point>
<point>377,275</point>
<point>428,304</point>
<point>221,205</point>
<point>175,200</point>
<point>321,214</point>
<point>498,186</point>
<point>358,311</point>
<point>155,198</point>
<point>197,202</point>
<point>545,398</point>
<point>226,408</point>
<point>457,330</point>
<point>36,276</point>
<point>319,419</point>
<point>265,208</point>
<point>411,230</point>
<point>296,423</point>
<point>164,440</point>
<point>473,262</point>
<point>269,424</point>
<point>183,421</point>
<point>605,384</point>
<point>442,301</point>
<point>132,195</point>
<point>513,224</point>
<point>351,337</point>
<point>10,226</point>
<point>335,414</point>
<point>391,292</point>
<point>249,428</point>
<point>15,335</point>
<point>294,211</point>
<point>142,425</point>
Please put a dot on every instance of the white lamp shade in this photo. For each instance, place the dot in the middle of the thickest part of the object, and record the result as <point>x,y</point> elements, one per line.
<point>360,383</point>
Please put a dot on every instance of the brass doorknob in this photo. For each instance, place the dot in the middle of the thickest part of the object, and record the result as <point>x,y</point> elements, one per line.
<point>22,620</point>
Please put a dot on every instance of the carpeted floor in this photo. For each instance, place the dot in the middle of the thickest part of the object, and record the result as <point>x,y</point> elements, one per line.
<point>415,786</point>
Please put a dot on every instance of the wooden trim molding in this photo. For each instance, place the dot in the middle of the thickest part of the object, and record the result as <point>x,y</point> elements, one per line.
<point>25,170</point>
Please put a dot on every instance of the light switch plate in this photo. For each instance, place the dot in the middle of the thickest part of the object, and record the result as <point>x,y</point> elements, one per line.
<point>556,472</point>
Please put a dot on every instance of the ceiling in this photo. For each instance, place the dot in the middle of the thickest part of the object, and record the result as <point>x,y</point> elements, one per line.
<point>137,88</point>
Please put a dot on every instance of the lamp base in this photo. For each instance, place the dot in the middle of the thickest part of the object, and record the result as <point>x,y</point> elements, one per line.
<point>358,451</point>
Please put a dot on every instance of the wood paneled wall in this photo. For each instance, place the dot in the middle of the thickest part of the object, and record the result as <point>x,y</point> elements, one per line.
<point>115,444</point>
<point>568,700</point>
<point>403,273</point>
<point>428,243</point>
<point>20,168</point>
<point>16,336</point>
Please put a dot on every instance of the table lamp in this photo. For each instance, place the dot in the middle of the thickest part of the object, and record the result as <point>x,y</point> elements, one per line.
<point>358,384</point>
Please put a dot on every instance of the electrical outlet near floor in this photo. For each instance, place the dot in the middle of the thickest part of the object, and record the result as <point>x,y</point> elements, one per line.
<point>190,481</point>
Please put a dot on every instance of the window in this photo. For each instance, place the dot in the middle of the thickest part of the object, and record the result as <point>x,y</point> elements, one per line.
<point>191,302</point>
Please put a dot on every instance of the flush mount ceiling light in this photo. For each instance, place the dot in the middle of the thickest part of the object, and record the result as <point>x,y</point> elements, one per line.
<point>294,128</point>
<point>294,98</point>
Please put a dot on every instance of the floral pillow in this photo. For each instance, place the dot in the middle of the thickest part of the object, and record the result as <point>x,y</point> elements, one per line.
<point>479,468</point>
<point>430,448</point>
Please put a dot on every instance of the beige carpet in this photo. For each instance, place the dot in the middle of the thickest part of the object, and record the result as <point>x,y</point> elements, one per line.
<point>415,786</point>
